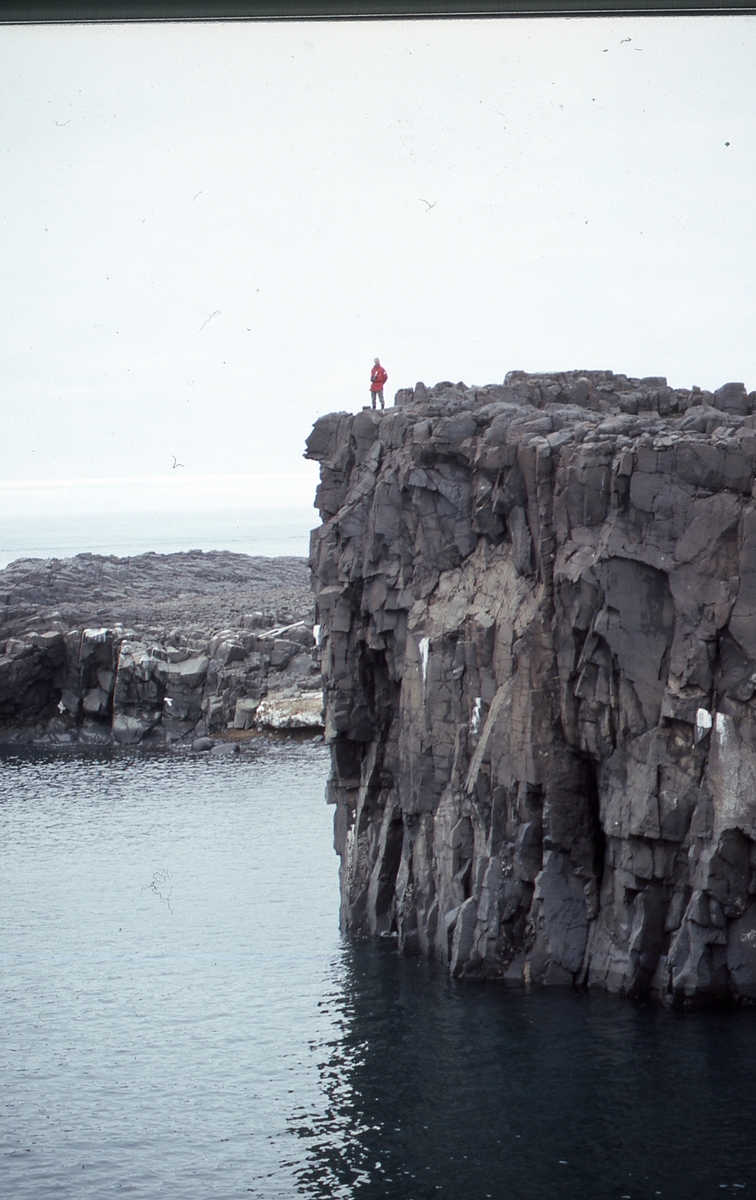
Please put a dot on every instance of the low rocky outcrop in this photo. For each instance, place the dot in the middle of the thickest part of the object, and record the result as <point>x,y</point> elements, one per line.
<point>156,648</point>
<point>537,610</point>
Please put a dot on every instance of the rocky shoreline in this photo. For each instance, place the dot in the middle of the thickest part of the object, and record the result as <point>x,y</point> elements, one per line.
<point>539,658</point>
<point>193,648</point>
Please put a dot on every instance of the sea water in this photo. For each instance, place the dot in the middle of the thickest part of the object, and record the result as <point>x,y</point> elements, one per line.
<point>268,532</point>
<point>179,1018</point>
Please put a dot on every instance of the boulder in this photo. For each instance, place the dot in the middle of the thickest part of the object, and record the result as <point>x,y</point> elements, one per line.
<point>201,744</point>
<point>303,711</point>
<point>244,713</point>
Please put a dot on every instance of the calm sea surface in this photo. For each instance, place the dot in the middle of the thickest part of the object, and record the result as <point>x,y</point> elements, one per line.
<point>268,532</point>
<point>178,1018</point>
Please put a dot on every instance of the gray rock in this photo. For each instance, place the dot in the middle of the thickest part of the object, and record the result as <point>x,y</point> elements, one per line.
<point>224,749</point>
<point>536,609</point>
<point>282,651</point>
<point>244,713</point>
<point>202,744</point>
<point>130,729</point>
<point>154,647</point>
<point>732,397</point>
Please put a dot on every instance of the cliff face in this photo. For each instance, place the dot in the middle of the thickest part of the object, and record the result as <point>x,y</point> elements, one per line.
<point>539,657</point>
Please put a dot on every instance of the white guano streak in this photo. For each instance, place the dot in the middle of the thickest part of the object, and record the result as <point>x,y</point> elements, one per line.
<point>703,724</point>
<point>424,648</point>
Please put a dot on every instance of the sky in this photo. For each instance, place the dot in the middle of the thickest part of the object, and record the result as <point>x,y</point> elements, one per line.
<point>209,230</point>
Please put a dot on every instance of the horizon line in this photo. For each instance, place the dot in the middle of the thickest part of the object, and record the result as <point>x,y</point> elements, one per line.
<point>137,480</point>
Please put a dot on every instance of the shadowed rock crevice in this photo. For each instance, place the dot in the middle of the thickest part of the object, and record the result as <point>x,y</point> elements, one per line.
<point>538,612</point>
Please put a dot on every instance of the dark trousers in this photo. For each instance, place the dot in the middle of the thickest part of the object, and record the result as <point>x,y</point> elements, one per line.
<point>379,395</point>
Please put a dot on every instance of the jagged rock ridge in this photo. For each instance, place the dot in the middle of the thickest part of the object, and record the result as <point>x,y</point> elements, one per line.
<point>539,655</point>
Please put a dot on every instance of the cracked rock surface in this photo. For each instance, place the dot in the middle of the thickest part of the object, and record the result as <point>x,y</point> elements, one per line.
<point>155,648</point>
<point>537,604</point>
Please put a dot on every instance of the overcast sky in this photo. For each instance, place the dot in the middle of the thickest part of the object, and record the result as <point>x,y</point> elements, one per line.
<point>209,231</point>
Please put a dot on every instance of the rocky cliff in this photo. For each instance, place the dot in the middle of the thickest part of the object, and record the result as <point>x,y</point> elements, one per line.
<point>158,648</point>
<point>537,618</point>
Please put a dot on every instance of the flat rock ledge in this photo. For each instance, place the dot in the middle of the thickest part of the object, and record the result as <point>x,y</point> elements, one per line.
<point>156,649</point>
<point>537,604</point>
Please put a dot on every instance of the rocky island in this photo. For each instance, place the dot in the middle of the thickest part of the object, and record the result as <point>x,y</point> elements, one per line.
<point>156,649</point>
<point>536,603</point>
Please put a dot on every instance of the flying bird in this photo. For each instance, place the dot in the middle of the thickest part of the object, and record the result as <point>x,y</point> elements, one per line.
<point>176,463</point>
<point>212,314</point>
<point>60,124</point>
<point>430,206</point>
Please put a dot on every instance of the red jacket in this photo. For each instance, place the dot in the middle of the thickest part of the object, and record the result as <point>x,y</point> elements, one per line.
<point>378,377</point>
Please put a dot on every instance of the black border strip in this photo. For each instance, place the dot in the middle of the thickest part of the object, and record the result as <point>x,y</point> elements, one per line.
<point>22,12</point>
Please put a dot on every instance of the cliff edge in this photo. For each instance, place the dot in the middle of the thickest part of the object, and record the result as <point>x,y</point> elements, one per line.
<point>536,606</point>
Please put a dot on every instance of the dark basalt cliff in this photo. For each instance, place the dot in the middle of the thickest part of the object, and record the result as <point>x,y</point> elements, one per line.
<point>539,656</point>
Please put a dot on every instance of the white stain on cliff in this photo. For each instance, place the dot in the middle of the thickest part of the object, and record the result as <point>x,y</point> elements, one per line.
<point>424,648</point>
<point>475,718</point>
<point>703,724</point>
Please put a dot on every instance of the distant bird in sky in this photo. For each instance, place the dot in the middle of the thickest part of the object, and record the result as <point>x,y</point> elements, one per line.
<point>212,314</point>
<point>430,206</point>
<point>176,463</point>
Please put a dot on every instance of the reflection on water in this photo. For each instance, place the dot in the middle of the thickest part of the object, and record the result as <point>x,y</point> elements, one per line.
<point>179,1019</point>
<point>436,1088</point>
<point>168,925</point>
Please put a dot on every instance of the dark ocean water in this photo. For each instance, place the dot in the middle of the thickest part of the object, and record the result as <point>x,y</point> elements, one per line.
<point>179,1018</point>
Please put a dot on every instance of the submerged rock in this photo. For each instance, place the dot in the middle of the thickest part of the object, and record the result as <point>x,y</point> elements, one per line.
<point>537,607</point>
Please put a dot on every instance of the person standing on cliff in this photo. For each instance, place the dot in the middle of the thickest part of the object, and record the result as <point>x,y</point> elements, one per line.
<point>378,377</point>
